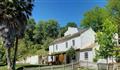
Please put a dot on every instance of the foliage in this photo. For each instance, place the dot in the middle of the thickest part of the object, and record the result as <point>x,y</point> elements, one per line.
<point>117,54</point>
<point>40,32</point>
<point>105,38</point>
<point>47,42</point>
<point>95,59</point>
<point>30,29</point>
<point>45,29</point>
<point>110,27</point>
<point>71,24</point>
<point>62,31</point>
<point>114,9</point>
<point>2,53</point>
<point>71,52</point>
<point>94,18</point>
<point>52,28</point>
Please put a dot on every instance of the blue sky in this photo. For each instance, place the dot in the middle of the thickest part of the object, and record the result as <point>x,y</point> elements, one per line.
<point>64,11</point>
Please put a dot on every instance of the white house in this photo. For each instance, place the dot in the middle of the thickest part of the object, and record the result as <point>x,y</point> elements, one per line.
<point>83,41</point>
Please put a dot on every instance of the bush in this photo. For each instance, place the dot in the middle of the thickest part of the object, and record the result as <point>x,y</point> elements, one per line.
<point>118,59</point>
<point>95,59</point>
<point>71,53</point>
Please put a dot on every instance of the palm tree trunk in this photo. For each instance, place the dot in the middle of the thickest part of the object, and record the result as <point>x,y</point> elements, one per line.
<point>15,53</point>
<point>8,58</point>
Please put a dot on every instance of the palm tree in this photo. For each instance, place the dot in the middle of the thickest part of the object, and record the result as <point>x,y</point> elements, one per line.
<point>13,19</point>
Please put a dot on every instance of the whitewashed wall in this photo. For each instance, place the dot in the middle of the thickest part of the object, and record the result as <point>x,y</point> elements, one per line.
<point>51,49</point>
<point>90,56</point>
<point>33,60</point>
<point>87,38</point>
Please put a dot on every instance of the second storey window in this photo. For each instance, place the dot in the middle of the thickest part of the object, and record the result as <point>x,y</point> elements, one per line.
<point>86,55</point>
<point>73,42</point>
<point>66,44</point>
<point>118,39</point>
<point>56,47</point>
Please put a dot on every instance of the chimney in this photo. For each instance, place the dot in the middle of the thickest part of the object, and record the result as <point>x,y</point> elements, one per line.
<point>71,30</point>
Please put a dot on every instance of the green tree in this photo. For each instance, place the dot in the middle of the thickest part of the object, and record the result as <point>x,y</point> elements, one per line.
<point>29,32</point>
<point>113,7</point>
<point>105,38</point>
<point>94,18</point>
<point>71,52</point>
<point>44,32</point>
<point>2,53</point>
<point>52,28</point>
<point>40,32</point>
<point>12,25</point>
<point>47,42</point>
<point>62,31</point>
<point>71,24</point>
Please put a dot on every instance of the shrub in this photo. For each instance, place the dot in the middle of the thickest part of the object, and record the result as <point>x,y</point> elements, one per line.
<point>71,53</point>
<point>95,59</point>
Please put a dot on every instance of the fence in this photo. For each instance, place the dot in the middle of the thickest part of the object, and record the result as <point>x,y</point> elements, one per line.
<point>103,66</point>
<point>75,66</point>
<point>90,65</point>
<point>100,66</point>
<point>72,66</point>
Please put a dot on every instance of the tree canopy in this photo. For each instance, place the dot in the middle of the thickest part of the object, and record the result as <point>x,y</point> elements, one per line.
<point>105,39</point>
<point>94,18</point>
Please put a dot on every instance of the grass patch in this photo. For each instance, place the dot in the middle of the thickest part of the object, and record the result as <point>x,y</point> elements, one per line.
<point>32,67</point>
<point>5,67</point>
<point>83,68</point>
<point>20,66</point>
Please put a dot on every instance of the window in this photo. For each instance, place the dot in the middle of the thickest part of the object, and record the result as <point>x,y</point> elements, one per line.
<point>86,55</point>
<point>119,41</point>
<point>73,42</point>
<point>66,44</point>
<point>56,47</point>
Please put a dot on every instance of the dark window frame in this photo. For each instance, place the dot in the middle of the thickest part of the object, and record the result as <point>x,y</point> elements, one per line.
<point>56,47</point>
<point>66,44</point>
<point>73,42</point>
<point>86,55</point>
<point>118,39</point>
